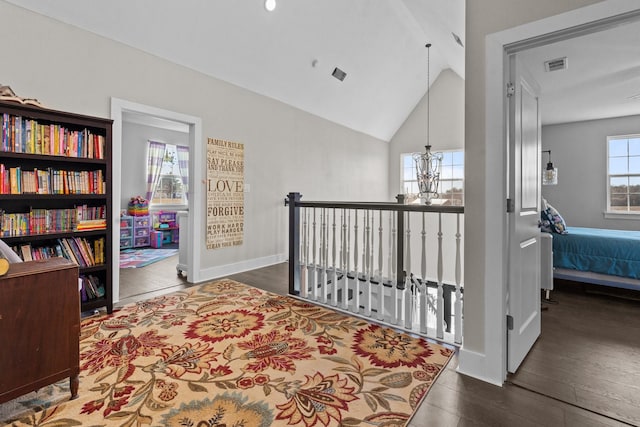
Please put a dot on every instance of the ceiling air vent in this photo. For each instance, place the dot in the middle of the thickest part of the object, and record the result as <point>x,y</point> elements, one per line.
<point>457,39</point>
<point>339,74</point>
<point>556,64</point>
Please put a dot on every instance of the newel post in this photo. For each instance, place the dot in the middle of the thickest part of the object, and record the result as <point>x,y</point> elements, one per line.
<point>294,242</point>
<point>400,245</point>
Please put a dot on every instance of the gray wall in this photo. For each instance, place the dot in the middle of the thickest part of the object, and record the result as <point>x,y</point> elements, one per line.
<point>446,125</point>
<point>579,151</point>
<point>286,149</point>
<point>135,139</point>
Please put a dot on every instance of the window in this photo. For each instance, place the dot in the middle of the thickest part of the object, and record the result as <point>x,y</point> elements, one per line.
<point>623,174</point>
<point>451,178</point>
<point>168,174</point>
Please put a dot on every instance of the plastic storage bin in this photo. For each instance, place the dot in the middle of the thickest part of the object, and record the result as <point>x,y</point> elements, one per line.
<point>156,239</point>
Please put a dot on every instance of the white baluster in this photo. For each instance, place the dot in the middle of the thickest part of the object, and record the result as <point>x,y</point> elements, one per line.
<point>304,253</point>
<point>334,278</point>
<point>314,275</point>
<point>423,256</point>
<point>393,251</point>
<point>368,255</point>
<point>408,292</point>
<point>323,257</point>
<point>390,265</point>
<point>380,275</point>
<point>391,244</point>
<point>356,286</point>
<point>396,302</point>
<point>440,301</point>
<point>458,304</point>
<point>423,283</point>
<point>345,300</point>
<point>343,259</point>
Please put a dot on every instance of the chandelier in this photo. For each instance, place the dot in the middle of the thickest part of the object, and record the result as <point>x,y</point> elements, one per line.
<point>428,164</point>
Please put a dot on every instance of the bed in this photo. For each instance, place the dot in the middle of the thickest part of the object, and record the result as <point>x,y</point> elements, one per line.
<point>598,256</point>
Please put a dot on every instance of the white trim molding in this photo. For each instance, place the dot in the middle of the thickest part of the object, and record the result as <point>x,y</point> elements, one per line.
<point>239,267</point>
<point>634,216</point>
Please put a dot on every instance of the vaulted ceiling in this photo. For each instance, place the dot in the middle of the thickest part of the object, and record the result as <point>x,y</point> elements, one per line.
<point>289,54</point>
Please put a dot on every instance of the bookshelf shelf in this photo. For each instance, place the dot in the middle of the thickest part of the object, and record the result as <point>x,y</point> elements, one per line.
<point>27,157</point>
<point>93,268</point>
<point>54,235</point>
<point>78,196</point>
<point>55,169</point>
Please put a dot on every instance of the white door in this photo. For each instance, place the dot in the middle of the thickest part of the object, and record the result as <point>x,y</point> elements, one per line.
<point>523,290</point>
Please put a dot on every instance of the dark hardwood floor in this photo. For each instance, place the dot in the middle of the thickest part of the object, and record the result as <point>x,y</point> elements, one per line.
<point>589,351</point>
<point>155,279</point>
<point>586,363</point>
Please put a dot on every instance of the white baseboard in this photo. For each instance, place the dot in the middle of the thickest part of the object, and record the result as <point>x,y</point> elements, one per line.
<point>474,365</point>
<point>220,271</point>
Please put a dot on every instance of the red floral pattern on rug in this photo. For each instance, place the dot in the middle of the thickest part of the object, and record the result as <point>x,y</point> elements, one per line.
<point>388,348</point>
<point>224,353</point>
<point>275,350</point>
<point>221,326</point>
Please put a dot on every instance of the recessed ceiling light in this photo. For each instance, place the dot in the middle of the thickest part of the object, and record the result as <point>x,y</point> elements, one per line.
<point>270,5</point>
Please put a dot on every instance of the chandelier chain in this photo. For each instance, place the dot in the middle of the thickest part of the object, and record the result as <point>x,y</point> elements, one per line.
<point>428,46</point>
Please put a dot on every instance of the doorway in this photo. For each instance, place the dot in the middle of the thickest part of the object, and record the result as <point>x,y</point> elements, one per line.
<point>538,372</point>
<point>123,111</point>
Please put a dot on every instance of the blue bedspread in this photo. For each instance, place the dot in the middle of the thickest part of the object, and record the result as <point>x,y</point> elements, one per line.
<point>613,252</point>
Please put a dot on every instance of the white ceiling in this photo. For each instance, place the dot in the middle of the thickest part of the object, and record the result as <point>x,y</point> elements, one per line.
<point>378,43</point>
<point>602,79</point>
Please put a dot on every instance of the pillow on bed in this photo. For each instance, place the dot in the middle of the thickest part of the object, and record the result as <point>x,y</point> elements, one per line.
<point>552,221</point>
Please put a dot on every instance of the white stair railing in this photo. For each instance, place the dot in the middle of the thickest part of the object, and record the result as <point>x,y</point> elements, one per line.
<point>338,259</point>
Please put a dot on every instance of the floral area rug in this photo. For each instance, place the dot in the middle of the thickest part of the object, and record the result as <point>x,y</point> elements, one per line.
<point>226,354</point>
<point>138,258</point>
<point>30,403</point>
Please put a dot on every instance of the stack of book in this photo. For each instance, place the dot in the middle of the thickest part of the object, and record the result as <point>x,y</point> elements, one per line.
<point>22,135</point>
<point>91,288</point>
<point>79,250</point>
<point>16,180</point>
<point>91,224</point>
<point>42,221</point>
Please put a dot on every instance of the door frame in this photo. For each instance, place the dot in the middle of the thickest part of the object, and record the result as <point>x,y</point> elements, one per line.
<point>492,366</point>
<point>118,107</point>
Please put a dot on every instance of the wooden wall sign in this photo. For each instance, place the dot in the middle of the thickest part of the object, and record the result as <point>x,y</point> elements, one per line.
<point>225,193</point>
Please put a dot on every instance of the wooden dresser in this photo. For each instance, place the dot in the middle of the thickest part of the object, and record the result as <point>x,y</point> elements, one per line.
<point>39,326</point>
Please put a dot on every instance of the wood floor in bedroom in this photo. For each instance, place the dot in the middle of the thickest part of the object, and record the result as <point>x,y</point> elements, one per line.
<point>589,351</point>
<point>586,362</point>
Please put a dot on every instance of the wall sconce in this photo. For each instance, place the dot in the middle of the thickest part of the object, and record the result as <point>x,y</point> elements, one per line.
<point>550,173</point>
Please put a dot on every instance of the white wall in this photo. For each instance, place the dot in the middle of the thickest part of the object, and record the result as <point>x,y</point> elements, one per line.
<point>579,151</point>
<point>285,149</point>
<point>446,125</point>
<point>446,132</point>
<point>134,156</point>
